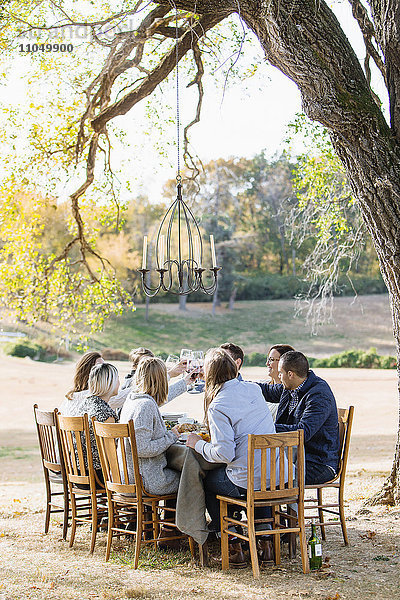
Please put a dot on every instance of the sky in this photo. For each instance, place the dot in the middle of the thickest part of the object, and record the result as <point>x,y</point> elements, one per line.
<point>251,116</point>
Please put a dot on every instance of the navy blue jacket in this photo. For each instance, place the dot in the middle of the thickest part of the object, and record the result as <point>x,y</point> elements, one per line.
<point>316,413</point>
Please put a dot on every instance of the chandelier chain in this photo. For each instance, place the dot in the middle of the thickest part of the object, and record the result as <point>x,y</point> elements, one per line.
<point>178,177</point>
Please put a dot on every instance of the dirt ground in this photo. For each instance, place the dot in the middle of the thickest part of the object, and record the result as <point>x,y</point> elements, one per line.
<point>38,566</point>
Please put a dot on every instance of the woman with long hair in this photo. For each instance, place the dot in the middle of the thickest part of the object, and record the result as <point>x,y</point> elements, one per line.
<point>103,383</point>
<point>80,390</point>
<point>234,409</point>
<point>152,437</point>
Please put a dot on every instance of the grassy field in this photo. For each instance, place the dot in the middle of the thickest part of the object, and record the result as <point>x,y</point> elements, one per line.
<point>358,323</point>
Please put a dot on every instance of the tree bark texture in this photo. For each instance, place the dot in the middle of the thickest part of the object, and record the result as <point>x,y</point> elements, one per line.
<point>304,40</point>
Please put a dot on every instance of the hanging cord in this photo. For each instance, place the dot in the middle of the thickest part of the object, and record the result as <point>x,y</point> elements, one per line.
<point>178,176</point>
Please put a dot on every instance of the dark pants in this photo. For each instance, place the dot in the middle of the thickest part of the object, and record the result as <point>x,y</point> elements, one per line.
<point>216,483</point>
<point>316,473</point>
<point>86,486</point>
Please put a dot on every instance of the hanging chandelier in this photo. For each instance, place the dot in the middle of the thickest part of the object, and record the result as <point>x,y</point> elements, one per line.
<point>179,245</point>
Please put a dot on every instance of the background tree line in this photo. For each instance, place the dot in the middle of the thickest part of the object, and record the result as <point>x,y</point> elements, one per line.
<point>273,220</point>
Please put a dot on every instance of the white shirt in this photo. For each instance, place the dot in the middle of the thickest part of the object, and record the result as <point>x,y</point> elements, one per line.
<point>239,409</point>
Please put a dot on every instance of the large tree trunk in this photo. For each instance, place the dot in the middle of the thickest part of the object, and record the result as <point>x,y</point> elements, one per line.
<point>336,93</point>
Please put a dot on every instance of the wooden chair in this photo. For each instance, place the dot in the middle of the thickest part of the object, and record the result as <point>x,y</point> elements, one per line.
<point>86,491</point>
<point>345,416</point>
<point>129,500</point>
<point>279,492</point>
<point>53,465</point>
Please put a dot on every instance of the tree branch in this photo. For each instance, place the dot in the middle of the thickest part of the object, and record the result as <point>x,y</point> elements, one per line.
<point>189,161</point>
<point>368,32</point>
<point>159,73</point>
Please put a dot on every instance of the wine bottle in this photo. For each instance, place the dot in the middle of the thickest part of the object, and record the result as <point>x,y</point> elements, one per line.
<point>314,549</point>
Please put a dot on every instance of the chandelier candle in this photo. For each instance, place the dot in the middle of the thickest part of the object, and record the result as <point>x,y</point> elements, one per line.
<point>162,251</point>
<point>144,261</point>
<point>197,255</point>
<point>214,258</point>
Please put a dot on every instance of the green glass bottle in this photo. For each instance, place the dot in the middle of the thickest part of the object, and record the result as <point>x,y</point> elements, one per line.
<point>314,549</point>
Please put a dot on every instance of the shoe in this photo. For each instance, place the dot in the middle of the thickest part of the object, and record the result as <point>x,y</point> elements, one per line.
<point>167,532</point>
<point>237,559</point>
<point>265,552</point>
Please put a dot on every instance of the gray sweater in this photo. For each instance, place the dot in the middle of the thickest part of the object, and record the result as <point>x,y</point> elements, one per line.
<point>152,440</point>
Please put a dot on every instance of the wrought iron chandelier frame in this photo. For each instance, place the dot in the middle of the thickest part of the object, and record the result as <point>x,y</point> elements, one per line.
<point>189,269</point>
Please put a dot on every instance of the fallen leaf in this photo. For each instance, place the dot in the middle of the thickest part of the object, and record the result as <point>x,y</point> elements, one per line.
<point>368,535</point>
<point>323,574</point>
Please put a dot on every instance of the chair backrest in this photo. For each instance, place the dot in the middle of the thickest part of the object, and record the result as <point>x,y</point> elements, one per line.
<point>49,442</point>
<point>275,449</point>
<point>112,440</point>
<point>345,417</point>
<point>77,450</point>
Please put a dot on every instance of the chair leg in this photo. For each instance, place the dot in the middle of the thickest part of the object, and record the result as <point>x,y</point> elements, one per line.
<point>48,503</point>
<point>251,531</point>
<point>321,512</point>
<point>342,517</point>
<point>192,546</point>
<point>277,538</point>
<point>110,526</point>
<point>292,536</point>
<point>73,527</point>
<point>94,524</point>
<point>224,536</point>
<point>138,540</point>
<point>154,517</point>
<point>303,541</point>
<point>203,555</point>
<point>65,514</point>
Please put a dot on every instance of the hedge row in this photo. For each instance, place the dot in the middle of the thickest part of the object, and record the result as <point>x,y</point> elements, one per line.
<point>353,359</point>
<point>272,286</point>
<point>275,287</point>
<point>358,359</point>
<point>43,352</point>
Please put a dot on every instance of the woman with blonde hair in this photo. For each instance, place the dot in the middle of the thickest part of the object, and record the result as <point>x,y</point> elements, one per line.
<point>152,437</point>
<point>103,383</point>
<point>234,410</point>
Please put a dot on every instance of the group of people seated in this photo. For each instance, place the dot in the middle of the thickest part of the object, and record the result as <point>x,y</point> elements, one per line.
<point>294,398</point>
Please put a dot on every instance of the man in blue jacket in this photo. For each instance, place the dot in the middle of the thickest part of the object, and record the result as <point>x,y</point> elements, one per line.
<point>307,402</point>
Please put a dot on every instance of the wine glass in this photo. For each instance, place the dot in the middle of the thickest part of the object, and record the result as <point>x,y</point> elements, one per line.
<point>186,355</point>
<point>198,356</point>
<point>171,361</point>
